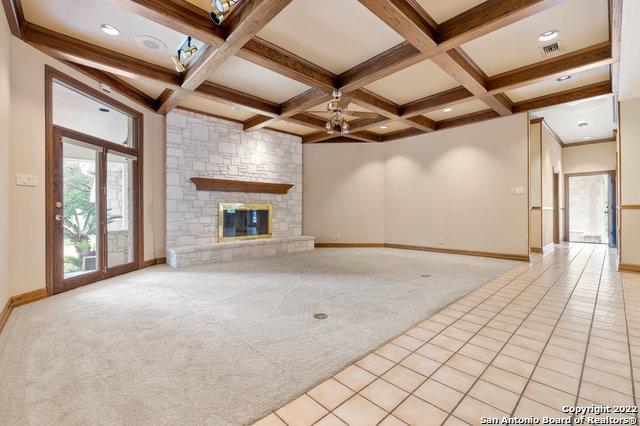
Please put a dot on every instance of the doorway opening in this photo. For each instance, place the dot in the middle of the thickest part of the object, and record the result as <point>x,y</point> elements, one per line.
<point>93,195</point>
<point>590,208</point>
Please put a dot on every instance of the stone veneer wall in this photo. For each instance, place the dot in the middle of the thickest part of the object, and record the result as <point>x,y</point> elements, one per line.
<point>204,146</point>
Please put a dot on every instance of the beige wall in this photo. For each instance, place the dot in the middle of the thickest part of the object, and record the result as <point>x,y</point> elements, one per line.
<point>344,193</point>
<point>5,177</point>
<point>449,189</point>
<point>551,158</point>
<point>28,156</point>
<point>630,182</point>
<point>589,158</point>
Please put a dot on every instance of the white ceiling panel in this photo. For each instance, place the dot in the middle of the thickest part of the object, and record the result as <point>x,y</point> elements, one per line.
<point>393,126</point>
<point>550,86</point>
<point>150,87</point>
<point>292,128</point>
<point>247,77</point>
<point>582,23</point>
<point>216,108</point>
<point>564,119</point>
<point>412,83</point>
<point>82,20</point>
<point>442,10</point>
<point>334,34</point>
<point>458,110</point>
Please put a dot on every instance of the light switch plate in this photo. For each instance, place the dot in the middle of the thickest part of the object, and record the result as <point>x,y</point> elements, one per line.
<point>517,190</point>
<point>26,180</point>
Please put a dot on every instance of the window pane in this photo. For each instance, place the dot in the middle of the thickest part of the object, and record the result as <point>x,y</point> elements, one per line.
<point>80,203</point>
<point>120,225</point>
<point>77,111</point>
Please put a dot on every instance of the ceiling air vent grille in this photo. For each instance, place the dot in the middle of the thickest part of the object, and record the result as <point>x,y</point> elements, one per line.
<point>551,49</point>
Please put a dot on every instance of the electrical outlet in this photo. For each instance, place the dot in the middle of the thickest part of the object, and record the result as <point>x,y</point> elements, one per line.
<point>335,237</point>
<point>26,180</point>
<point>441,241</point>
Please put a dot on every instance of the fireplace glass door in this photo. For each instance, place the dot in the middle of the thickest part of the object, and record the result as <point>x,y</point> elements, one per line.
<point>244,221</point>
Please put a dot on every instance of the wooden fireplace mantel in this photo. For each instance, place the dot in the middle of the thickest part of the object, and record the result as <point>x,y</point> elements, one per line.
<point>223,185</point>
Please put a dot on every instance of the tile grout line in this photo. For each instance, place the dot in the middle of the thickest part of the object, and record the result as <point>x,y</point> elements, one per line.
<point>554,328</point>
<point>586,349</point>
<point>532,282</point>
<point>515,331</point>
<point>530,268</point>
<point>626,320</point>
<point>540,263</point>
<point>520,274</point>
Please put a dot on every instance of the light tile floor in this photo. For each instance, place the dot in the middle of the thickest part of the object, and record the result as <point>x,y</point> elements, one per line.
<point>562,331</point>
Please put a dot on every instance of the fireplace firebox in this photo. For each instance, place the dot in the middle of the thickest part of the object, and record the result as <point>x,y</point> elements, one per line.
<point>238,221</point>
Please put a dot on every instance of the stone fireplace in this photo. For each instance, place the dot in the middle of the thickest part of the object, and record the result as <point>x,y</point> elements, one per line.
<point>206,148</point>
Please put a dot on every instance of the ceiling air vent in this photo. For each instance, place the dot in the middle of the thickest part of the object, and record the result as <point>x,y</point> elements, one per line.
<point>551,49</point>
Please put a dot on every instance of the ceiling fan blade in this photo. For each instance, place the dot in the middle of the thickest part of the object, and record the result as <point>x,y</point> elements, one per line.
<point>364,114</point>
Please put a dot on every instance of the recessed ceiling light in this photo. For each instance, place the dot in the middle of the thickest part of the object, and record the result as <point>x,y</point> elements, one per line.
<point>108,29</point>
<point>548,35</point>
<point>103,109</point>
<point>447,109</point>
<point>384,127</point>
<point>587,137</point>
<point>151,43</point>
<point>563,78</point>
<point>233,108</point>
<point>582,123</point>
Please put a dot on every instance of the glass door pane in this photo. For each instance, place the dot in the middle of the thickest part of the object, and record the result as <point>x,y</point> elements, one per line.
<point>80,184</point>
<point>588,209</point>
<point>120,223</point>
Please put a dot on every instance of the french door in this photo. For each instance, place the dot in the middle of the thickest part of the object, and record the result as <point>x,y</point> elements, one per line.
<point>94,210</point>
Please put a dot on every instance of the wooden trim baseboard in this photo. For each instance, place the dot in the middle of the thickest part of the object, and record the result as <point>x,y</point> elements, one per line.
<point>536,250</point>
<point>524,258</point>
<point>349,245</point>
<point>19,300</point>
<point>509,256</point>
<point>154,262</point>
<point>628,267</point>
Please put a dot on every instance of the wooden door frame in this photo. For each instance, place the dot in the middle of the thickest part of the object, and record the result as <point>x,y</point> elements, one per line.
<point>556,207</point>
<point>612,173</point>
<point>51,75</point>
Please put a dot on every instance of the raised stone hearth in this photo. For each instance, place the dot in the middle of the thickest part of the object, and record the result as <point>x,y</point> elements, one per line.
<point>238,250</point>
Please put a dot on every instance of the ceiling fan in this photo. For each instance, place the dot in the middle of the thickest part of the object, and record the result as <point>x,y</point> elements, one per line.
<point>338,111</point>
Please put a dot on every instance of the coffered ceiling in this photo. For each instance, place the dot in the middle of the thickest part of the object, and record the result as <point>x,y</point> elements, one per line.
<point>422,65</point>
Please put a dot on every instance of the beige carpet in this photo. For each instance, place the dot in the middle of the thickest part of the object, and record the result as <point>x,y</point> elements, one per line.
<point>220,344</point>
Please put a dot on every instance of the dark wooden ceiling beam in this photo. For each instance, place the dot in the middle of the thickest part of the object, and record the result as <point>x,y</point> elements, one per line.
<point>178,15</point>
<point>585,92</point>
<point>236,98</point>
<point>436,102</point>
<point>63,47</point>
<point>401,134</point>
<point>404,19</point>
<point>420,122</point>
<point>243,28</point>
<point>256,122</point>
<point>580,60</point>
<point>375,103</point>
<point>467,119</point>
<point>117,85</point>
<point>15,16</point>
<point>363,135</point>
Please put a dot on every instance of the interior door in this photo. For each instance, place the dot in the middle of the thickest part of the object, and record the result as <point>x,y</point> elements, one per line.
<point>94,204</point>
<point>611,210</point>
